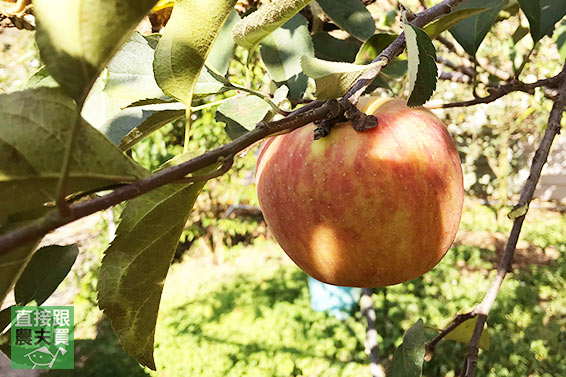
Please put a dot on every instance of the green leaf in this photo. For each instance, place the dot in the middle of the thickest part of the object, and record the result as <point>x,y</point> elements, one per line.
<point>41,78</point>
<point>13,263</point>
<point>208,83</point>
<point>280,94</point>
<point>396,69</point>
<point>130,73</point>
<point>5,318</point>
<point>241,114</point>
<point>146,117</point>
<point>463,333</point>
<point>44,272</point>
<point>543,15</point>
<point>35,126</point>
<point>350,15</point>
<point>281,51</point>
<point>560,39</point>
<point>471,31</point>
<point>11,266</point>
<point>98,106</point>
<point>373,46</point>
<point>435,28</point>
<point>186,43</point>
<point>219,57</point>
<point>135,265</point>
<point>255,27</point>
<point>409,356</point>
<point>326,47</point>
<point>77,38</point>
<point>422,67</point>
<point>152,122</point>
<point>332,79</point>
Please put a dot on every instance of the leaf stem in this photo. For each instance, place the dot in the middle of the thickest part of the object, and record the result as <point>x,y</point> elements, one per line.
<point>263,96</point>
<point>207,105</point>
<point>66,165</point>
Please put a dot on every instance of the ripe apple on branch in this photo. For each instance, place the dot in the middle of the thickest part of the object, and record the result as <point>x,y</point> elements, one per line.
<point>364,209</point>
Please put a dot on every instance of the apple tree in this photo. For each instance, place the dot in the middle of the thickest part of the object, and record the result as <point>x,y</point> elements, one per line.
<point>66,139</point>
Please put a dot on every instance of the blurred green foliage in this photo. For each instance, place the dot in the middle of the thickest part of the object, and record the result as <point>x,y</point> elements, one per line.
<point>251,316</point>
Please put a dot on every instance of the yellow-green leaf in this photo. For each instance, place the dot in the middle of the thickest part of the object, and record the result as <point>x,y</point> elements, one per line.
<point>332,79</point>
<point>435,28</point>
<point>463,333</point>
<point>421,56</point>
<point>35,126</point>
<point>135,265</point>
<point>258,25</point>
<point>77,38</point>
<point>186,43</point>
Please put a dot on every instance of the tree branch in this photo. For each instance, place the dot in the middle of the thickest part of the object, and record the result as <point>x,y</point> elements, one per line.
<point>502,90</point>
<point>457,321</point>
<point>482,309</point>
<point>525,198</point>
<point>368,312</point>
<point>311,112</point>
<point>42,226</point>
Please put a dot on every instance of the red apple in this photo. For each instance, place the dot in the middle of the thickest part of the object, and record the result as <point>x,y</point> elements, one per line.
<point>364,209</point>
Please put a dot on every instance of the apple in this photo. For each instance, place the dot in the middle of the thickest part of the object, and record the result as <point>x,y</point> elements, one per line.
<point>364,209</point>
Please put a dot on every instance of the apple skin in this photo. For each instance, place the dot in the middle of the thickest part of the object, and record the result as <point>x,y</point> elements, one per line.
<point>364,209</point>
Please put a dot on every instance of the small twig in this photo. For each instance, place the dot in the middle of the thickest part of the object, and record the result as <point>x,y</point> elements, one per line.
<point>502,90</point>
<point>484,64</point>
<point>539,159</point>
<point>372,350</point>
<point>449,45</point>
<point>525,60</point>
<point>468,71</point>
<point>458,320</point>
<point>263,96</point>
<point>454,77</point>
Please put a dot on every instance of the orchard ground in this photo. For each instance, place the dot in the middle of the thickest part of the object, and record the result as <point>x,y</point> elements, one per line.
<point>251,316</point>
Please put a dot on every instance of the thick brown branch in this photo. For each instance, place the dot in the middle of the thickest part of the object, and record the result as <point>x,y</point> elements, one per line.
<point>315,110</point>
<point>525,198</point>
<point>42,226</point>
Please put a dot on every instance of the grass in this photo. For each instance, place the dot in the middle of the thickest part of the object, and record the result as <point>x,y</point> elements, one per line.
<point>251,316</point>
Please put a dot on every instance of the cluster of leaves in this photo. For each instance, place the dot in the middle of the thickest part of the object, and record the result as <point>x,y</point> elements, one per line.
<point>100,79</point>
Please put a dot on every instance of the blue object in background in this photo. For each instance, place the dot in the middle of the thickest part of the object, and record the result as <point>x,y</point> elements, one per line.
<point>338,301</point>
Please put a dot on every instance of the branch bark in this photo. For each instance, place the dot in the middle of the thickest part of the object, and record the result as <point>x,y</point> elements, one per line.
<point>372,350</point>
<point>539,159</point>
<point>503,90</point>
<point>484,307</point>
